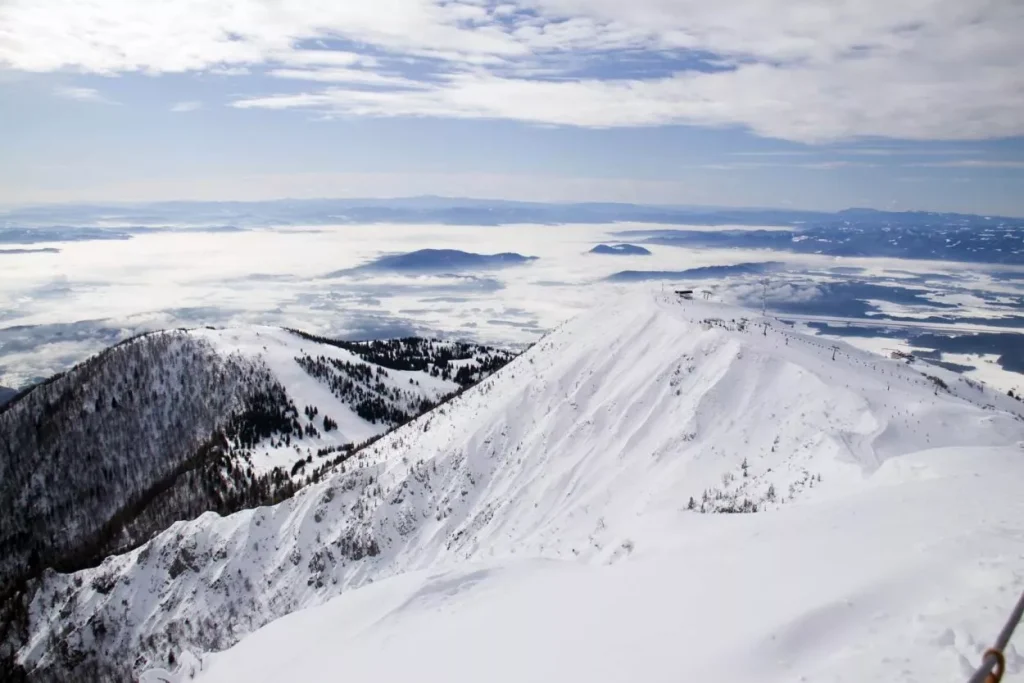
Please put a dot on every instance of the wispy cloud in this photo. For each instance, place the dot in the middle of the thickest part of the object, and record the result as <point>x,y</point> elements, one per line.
<point>834,164</point>
<point>190,105</point>
<point>777,153</point>
<point>827,165</point>
<point>782,68</point>
<point>81,94</point>
<point>903,151</point>
<point>746,97</point>
<point>346,75</point>
<point>326,58</point>
<point>229,71</point>
<point>860,151</point>
<point>971,163</point>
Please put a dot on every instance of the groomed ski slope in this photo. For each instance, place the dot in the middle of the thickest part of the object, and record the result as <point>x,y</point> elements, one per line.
<point>536,528</point>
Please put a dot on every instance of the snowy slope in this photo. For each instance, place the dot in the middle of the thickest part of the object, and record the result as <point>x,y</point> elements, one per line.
<point>499,513</point>
<point>169,425</point>
<point>892,583</point>
<point>278,350</point>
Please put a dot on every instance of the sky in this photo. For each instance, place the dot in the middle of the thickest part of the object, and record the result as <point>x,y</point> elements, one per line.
<point>916,104</point>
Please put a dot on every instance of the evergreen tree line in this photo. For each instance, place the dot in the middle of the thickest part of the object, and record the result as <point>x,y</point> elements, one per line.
<point>423,355</point>
<point>363,388</point>
<point>99,459</point>
<point>161,428</point>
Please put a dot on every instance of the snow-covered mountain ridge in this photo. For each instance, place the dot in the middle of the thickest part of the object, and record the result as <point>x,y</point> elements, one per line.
<point>588,448</point>
<point>168,425</point>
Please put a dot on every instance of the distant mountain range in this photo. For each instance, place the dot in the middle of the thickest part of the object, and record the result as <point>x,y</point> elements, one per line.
<point>454,211</point>
<point>851,232</point>
<point>439,260</point>
<point>699,273</point>
<point>620,250</point>
<point>44,250</point>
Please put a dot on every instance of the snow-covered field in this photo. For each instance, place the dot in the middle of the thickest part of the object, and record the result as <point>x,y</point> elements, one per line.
<point>539,527</point>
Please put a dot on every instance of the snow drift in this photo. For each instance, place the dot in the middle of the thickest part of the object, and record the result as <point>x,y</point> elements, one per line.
<point>547,525</point>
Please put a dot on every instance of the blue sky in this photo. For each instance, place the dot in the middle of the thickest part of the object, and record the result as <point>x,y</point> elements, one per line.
<point>912,105</point>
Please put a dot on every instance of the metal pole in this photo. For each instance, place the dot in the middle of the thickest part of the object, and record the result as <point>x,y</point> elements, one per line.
<point>994,657</point>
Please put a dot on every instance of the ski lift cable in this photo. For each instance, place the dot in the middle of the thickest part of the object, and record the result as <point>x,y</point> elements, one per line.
<point>993,662</point>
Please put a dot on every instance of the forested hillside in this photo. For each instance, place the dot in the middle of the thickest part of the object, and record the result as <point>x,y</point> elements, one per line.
<point>90,450</point>
<point>169,425</point>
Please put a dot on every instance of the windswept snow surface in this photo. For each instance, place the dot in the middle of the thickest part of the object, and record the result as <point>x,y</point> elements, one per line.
<point>905,583</point>
<point>536,527</point>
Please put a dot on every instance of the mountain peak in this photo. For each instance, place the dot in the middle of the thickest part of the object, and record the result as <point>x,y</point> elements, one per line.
<point>581,449</point>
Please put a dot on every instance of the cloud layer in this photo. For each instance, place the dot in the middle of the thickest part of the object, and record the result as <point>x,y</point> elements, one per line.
<point>57,308</point>
<point>799,70</point>
<point>186,106</point>
<point>81,94</point>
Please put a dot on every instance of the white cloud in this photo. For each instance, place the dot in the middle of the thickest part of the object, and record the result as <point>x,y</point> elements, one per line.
<point>182,107</point>
<point>804,103</point>
<point>775,153</point>
<point>229,71</point>
<point>343,75</point>
<point>826,165</point>
<point>834,164</point>
<point>799,70</point>
<point>109,36</point>
<point>81,94</point>
<point>326,58</point>
<point>904,151</point>
<point>973,163</point>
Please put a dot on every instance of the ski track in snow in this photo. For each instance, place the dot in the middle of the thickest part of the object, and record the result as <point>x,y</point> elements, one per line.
<point>535,528</point>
